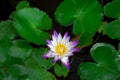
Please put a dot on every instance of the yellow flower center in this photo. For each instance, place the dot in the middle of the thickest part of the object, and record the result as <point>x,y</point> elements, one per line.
<point>60,49</point>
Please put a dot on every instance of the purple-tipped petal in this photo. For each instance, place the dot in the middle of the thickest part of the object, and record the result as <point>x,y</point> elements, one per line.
<point>48,41</point>
<point>66,34</point>
<point>49,54</point>
<point>74,43</point>
<point>64,38</point>
<point>50,46</point>
<point>75,49</point>
<point>68,38</point>
<point>55,59</point>
<point>44,56</point>
<point>55,34</point>
<point>53,43</point>
<point>65,61</point>
<point>69,53</point>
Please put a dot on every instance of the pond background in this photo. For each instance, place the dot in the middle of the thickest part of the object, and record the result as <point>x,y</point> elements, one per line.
<point>49,6</point>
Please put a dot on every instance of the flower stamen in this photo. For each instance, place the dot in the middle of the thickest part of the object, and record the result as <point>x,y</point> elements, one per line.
<point>60,49</point>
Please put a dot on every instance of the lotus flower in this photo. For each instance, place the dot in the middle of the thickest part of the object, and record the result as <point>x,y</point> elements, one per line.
<point>61,48</point>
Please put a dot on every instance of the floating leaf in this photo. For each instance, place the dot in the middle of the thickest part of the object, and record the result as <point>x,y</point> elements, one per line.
<point>45,63</point>
<point>102,27</point>
<point>85,39</point>
<point>29,23</point>
<point>105,67</point>
<point>17,72</point>
<point>92,71</point>
<point>2,74</point>
<point>117,61</point>
<point>60,70</point>
<point>20,49</point>
<point>86,16</point>
<point>119,48</point>
<point>36,60</point>
<point>5,43</point>
<point>65,71</point>
<point>112,29</point>
<point>22,4</point>
<point>40,74</point>
<point>100,50</point>
<point>7,30</point>
<point>57,70</point>
<point>112,9</point>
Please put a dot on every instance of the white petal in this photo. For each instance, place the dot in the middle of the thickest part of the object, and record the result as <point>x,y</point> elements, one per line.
<point>68,45</point>
<point>51,47</point>
<point>63,41</point>
<point>64,37</point>
<point>59,38</point>
<point>69,53</point>
<point>68,38</point>
<point>54,43</point>
<point>55,39</point>
<point>65,61</point>
<point>49,54</point>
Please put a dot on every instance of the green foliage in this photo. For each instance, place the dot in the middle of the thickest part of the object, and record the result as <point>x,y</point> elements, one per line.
<point>60,70</point>
<point>16,72</point>
<point>40,74</point>
<point>23,40</point>
<point>33,67</point>
<point>22,4</point>
<point>29,23</point>
<point>20,49</point>
<point>119,47</point>
<point>112,9</point>
<point>85,39</point>
<point>18,59</point>
<point>105,67</point>
<point>112,29</point>
<point>86,16</point>
<point>37,60</point>
<point>17,48</point>
<point>101,28</point>
<point>37,66</point>
<point>7,30</point>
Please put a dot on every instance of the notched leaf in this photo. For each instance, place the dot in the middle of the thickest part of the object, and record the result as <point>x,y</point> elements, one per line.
<point>30,23</point>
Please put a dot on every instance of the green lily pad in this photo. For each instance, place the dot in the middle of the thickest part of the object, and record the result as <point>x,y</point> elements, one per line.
<point>7,30</point>
<point>112,9</point>
<point>92,71</point>
<point>40,74</point>
<point>29,23</point>
<point>101,50</point>
<point>112,29</point>
<point>61,70</point>
<point>22,4</point>
<point>106,66</point>
<point>85,15</point>
<point>20,49</point>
